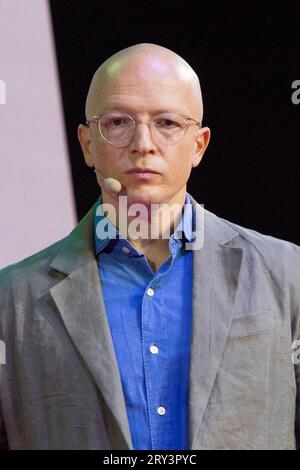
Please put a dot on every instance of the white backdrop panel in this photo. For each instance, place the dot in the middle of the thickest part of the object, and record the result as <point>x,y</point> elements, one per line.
<point>36,196</point>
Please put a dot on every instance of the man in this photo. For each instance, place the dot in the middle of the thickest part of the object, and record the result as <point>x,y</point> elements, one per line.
<point>117,339</point>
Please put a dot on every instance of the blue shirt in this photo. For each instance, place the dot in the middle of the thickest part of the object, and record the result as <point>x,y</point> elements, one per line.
<point>149,314</point>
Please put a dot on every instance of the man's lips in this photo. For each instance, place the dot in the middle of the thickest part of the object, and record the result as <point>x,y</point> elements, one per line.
<point>142,174</point>
<point>142,170</point>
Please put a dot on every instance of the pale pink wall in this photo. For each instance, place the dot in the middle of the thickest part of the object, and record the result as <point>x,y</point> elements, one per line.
<point>36,200</point>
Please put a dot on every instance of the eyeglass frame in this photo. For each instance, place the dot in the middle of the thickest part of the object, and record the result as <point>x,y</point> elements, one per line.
<point>97,119</point>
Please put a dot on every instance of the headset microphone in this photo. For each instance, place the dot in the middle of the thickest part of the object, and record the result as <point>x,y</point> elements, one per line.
<point>111,184</point>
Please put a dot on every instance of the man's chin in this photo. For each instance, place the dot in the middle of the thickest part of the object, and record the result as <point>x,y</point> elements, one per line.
<point>144,197</point>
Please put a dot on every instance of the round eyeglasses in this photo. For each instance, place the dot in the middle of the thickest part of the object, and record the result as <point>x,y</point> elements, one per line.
<point>118,128</point>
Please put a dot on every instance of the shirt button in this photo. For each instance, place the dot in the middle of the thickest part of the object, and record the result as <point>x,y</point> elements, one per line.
<point>150,292</point>
<point>161,410</point>
<point>154,349</point>
<point>125,249</point>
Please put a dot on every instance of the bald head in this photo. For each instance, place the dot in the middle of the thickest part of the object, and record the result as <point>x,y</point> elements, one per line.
<point>137,69</point>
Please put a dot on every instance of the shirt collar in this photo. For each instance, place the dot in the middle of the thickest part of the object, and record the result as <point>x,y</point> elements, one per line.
<point>184,229</point>
<point>185,225</point>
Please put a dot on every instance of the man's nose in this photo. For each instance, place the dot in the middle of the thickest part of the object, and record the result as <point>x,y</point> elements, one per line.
<point>142,141</point>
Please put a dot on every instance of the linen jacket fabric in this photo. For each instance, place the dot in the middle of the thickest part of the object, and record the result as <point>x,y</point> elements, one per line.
<point>60,387</point>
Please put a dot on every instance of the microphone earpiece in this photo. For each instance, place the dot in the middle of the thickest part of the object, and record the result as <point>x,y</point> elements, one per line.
<point>111,184</point>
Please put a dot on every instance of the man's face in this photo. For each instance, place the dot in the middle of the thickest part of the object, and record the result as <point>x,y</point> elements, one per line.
<point>144,92</point>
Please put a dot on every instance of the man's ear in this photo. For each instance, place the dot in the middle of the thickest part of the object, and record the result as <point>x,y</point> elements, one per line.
<point>202,139</point>
<point>84,137</point>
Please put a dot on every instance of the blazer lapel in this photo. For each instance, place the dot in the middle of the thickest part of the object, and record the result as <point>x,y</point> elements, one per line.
<point>216,270</point>
<point>79,300</point>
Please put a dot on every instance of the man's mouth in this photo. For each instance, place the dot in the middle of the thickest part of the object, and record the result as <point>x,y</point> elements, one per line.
<point>142,170</point>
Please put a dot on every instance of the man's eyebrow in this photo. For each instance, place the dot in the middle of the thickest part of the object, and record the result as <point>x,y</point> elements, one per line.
<point>127,109</point>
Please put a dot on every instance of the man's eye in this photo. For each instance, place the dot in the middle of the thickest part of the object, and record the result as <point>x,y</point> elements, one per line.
<point>118,122</point>
<point>166,123</point>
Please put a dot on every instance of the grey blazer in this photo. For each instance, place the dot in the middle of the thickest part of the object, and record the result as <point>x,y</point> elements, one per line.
<point>60,387</point>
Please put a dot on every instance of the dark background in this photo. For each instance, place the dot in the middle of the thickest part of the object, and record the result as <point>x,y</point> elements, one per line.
<point>246,54</point>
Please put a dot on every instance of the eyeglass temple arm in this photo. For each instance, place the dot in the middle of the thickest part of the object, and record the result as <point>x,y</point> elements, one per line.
<point>92,119</point>
<point>194,120</point>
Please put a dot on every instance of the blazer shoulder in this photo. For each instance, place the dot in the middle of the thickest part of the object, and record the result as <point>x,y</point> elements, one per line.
<point>19,272</point>
<point>279,256</point>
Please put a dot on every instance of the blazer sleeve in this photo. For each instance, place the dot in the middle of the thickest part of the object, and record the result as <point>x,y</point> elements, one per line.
<point>3,302</point>
<point>297,418</point>
<point>294,303</point>
<point>296,319</point>
<point>286,271</point>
